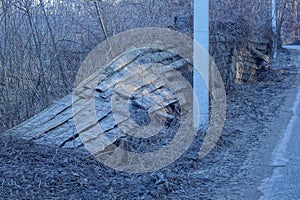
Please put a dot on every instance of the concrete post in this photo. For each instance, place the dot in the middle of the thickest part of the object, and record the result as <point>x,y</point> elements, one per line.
<point>274,26</point>
<point>201,63</point>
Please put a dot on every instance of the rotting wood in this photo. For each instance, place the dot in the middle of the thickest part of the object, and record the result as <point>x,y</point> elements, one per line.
<point>55,125</point>
<point>260,55</point>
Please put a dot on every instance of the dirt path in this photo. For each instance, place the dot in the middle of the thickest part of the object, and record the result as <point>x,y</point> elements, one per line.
<point>264,113</point>
<point>283,183</point>
<point>233,170</point>
<point>259,165</point>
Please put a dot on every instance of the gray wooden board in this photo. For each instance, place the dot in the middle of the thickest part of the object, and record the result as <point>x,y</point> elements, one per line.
<point>55,124</point>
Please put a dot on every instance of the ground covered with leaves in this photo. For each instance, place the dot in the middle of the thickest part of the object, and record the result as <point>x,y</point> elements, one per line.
<point>232,170</point>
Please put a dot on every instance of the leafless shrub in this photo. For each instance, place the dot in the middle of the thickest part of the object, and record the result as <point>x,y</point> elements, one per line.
<point>43,43</point>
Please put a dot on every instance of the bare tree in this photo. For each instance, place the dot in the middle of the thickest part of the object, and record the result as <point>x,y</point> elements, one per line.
<point>291,22</point>
<point>44,42</point>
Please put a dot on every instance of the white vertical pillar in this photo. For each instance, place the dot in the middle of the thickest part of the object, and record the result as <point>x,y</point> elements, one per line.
<point>274,24</point>
<point>273,13</point>
<point>201,64</point>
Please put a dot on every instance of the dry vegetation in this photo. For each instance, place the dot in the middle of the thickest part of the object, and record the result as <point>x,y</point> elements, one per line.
<point>42,44</point>
<point>290,21</point>
<point>41,48</point>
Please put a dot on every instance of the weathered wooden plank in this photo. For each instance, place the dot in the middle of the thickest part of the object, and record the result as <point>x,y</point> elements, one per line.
<point>30,127</point>
<point>122,77</point>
